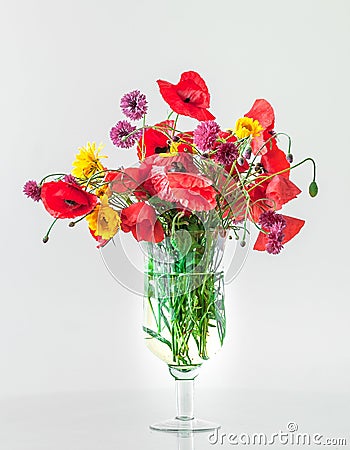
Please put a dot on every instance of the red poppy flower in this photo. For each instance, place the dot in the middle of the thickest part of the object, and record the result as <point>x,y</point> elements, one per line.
<point>191,191</point>
<point>189,97</point>
<point>141,220</point>
<point>278,188</point>
<point>293,226</point>
<point>66,200</point>
<point>281,190</point>
<point>155,141</point>
<point>180,162</point>
<point>263,112</point>
<point>271,194</point>
<point>275,160</point>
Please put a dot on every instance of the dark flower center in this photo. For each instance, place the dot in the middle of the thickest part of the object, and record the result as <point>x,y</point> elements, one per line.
<point>161,150</point>
<point>260,168</point>
<point>70,202</point>
<point>187,100</point>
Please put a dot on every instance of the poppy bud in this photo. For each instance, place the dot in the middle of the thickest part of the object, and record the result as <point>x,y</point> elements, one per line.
<point>313,189</point>
<point>247,153</point>
<point>240,160</point>
<point>259,168</point>
<point>45,239</point>
<point>243,243</point>
<point>289,158</point>
<point>71,224</point>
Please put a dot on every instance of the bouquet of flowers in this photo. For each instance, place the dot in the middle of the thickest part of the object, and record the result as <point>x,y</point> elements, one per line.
<point>187,191</point>
<point>184,179</point>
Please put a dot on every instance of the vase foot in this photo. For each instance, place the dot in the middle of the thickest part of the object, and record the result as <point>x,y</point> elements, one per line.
<point>193,426</point>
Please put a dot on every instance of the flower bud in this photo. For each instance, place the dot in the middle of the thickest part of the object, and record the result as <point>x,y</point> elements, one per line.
<point>259,168</point>
<point>313,189</point>
<point>247,153</point>
<point>45,239</point>
<point>240,160</point>
<point>289,158</point>
<point>243,243</point>
<point>71,224</point>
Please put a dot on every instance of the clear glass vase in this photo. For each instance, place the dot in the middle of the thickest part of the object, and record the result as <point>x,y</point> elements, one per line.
<point>184,313</point>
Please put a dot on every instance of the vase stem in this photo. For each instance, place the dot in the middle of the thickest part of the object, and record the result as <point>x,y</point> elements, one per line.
<point>184,421</point>
<point>184,384</point>
<point>184,399</point>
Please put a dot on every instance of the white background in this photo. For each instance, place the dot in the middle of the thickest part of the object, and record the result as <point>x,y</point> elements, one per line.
<point>65,324</point>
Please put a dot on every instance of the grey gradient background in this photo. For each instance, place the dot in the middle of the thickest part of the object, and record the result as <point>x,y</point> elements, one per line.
<point>65,324</point>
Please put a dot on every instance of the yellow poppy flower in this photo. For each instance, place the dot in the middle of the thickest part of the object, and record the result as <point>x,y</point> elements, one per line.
<point>245,126</point>
<point>87,161</point>
<point>104,221</point>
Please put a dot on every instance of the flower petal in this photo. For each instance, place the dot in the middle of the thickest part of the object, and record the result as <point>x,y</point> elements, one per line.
<point>263,112</point>
<point>293,226</point>
<point>192,191</point>
<point>275,160</point>
<point>281,190</point>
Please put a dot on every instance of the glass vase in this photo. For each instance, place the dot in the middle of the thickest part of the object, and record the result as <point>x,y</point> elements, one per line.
<point>184,313</point>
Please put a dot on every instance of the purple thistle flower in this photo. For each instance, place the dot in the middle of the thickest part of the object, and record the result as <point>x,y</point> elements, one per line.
<point>226,153</point>
<point>205,135</point>
<point>275,224</point>
<point>32,190</point>
<point>274,243</point>
<point>134,105</point>
<point>121,134</point>
<point>269,219</point>
<point>70,179</point>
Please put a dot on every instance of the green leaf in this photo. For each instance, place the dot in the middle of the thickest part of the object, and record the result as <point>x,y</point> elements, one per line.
<point>155,335</point>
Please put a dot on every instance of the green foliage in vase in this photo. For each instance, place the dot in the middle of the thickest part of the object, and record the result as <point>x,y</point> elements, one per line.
<point>184,298</point>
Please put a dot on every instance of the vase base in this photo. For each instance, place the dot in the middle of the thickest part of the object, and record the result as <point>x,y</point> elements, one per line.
<point>177,425</point>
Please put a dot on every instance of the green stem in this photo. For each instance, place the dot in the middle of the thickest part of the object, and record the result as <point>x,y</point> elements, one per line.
<point>46,237</point>
<point>175,122</point>
<point>143,155</point>
<point>52,175</point>
<point>285,170</point>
